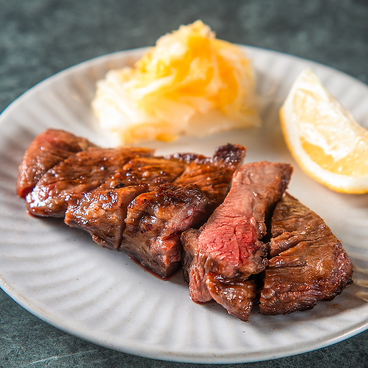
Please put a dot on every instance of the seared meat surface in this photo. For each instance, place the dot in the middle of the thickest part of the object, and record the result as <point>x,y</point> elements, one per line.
<point>152,171</point>
<point>229,244</point>
<point>236,296</point>
<point>79,173</point>
<point>47,149</point>
<point>213,174</point>
<point>177,210</point>
<point>313,267</point>
<point>102,211</point>
<point>121,197</point>
<point>156,219</point>
<point>292,223</point>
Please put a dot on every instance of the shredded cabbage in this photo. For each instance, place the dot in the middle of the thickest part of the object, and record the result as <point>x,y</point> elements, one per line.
<point>189,83</point>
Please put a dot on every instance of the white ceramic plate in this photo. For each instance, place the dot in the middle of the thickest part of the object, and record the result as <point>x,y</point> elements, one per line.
<point>60,275</point>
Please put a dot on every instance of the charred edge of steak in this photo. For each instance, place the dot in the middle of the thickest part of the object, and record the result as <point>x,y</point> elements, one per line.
<point>231,154</point>
<point>46,150</point>
<point>186,157</point>
<point>155,221</point>
<point>214,174</point>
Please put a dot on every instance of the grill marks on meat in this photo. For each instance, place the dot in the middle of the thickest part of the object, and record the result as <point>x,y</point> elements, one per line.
<point>102,211</point>
<point>47,149</point>
<point>229,245</point>
<point>308,263</point>
<point>79,173</point>
<point>156,219</point>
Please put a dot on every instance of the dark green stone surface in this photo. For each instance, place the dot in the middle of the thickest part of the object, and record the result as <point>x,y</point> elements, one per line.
<point>41,37</point>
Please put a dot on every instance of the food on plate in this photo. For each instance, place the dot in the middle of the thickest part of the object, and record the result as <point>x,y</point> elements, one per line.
<point>156,219</point>
<point>81,172</point>
<point>213,174</point>
<point>102,211</point>
<point>308,263</point>
<point>223,253</point>
<point>324,138</point>
<point>213,210</point>
<point>189,83</point>
<point>129,200</point>
<point>48,149</point>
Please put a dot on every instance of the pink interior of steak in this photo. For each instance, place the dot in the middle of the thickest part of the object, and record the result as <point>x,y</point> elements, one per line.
<point>156,219</point>
<point>229,244</point>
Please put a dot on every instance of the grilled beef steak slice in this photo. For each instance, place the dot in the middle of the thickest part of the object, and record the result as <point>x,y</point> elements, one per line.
<point>155,221</point>
<point>213,174</point>
<point>229,244</point>
<point>102,211</point>
<point>236,296</point>
<point>314,267</point>
<point>47,149</point>
<point>81,172</point>
<point>152,171</point>
<point>292,222</point>
<point>211,177</point>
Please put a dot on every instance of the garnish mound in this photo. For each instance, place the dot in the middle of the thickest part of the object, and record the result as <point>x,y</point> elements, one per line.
<point>190,83</point>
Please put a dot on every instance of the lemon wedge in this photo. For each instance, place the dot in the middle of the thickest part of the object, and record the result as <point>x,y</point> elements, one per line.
<point>190,83</point>
<point>323,137</point>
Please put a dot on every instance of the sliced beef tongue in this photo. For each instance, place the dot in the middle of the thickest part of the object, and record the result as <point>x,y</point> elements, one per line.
<point>224,252</point>
<point>213,174</point>
<point>81,172</point>
<point>47,149</point>
<point>308,262</point>
<point>292,222</point>
<point>152,171</point>
<point>236,296</point>
<point>103,210</point>
<point>156,219</point>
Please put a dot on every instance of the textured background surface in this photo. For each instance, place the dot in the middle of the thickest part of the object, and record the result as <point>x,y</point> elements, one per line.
<point>41,37</point>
